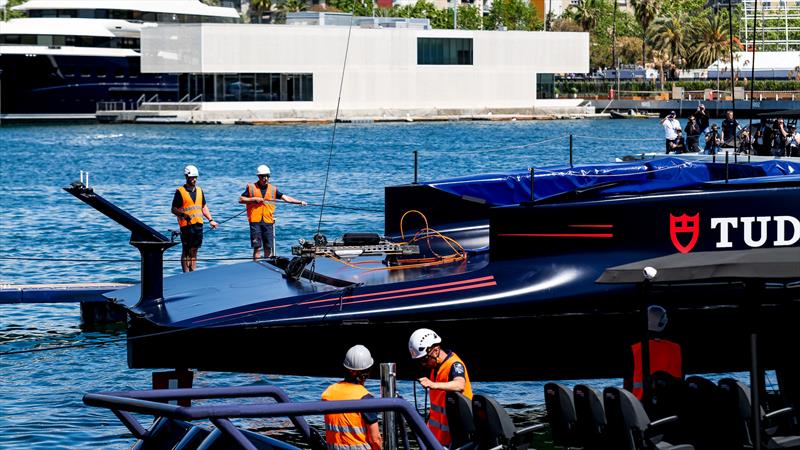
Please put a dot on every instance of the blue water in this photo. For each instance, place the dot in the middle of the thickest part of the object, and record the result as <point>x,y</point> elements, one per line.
<point>138,167</point>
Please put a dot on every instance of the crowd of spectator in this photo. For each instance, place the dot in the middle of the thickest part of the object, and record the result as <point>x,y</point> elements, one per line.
<point>767,137</point>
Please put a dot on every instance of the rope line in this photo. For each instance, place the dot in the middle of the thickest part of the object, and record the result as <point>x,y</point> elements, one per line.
<point>600,138</point>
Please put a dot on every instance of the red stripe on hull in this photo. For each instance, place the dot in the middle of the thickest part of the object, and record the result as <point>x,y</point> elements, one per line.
<point>415,294</point>
<point>418,288</point>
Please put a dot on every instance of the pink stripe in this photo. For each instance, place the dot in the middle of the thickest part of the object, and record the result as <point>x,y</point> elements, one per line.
<point>418,288</point>
<point>416,294</point>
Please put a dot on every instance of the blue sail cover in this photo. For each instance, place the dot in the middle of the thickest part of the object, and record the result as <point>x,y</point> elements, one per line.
<point>638,177</point>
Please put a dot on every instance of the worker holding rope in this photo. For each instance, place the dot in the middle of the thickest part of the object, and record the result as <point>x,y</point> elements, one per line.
<point>260,198</point>
<point>189,206</point>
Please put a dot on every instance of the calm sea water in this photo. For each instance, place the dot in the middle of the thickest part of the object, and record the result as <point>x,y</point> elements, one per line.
<point>138,167</point>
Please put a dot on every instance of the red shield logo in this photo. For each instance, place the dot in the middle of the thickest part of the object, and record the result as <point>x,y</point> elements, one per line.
<point>684,225</point>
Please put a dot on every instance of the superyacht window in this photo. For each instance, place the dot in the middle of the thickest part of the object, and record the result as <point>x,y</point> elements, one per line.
<point>123,14</point>
<point>444,51</point>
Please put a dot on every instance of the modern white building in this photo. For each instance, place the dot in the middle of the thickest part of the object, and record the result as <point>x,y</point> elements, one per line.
<point>284,71</point>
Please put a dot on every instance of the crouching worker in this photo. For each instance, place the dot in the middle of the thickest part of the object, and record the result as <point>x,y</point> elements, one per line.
<point>352,431</point>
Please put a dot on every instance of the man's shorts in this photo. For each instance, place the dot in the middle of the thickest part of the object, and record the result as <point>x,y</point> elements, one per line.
<point>192,235</point>
<point>262,233</point>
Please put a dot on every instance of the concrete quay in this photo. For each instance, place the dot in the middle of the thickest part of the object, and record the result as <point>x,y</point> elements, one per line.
<point>199,113</point>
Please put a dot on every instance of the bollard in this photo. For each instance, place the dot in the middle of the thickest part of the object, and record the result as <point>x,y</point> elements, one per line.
<point>570,151</point>
<point>533,197</point>
<point>415,166</point>
<point>389,390</point>
<point>726,167</point>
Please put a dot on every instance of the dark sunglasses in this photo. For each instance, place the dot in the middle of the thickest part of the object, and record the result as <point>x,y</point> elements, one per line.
<point>263,176</point>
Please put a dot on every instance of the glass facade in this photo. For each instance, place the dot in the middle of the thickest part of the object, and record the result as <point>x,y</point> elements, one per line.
<point>129,15</point>
<point>545,85</point>
<point>247,87</point>
<point>439,51</point>
<point>55,40</point>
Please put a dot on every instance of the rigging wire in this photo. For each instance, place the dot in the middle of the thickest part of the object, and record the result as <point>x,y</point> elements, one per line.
<point>336,119</point>
<point>753,70</point>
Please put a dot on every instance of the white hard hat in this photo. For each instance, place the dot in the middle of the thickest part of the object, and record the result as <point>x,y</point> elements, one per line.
<point>191,171</point>
<point>656,318</point>
<point>357,358</point>
<point>420,341</point>
<point>263,170</point>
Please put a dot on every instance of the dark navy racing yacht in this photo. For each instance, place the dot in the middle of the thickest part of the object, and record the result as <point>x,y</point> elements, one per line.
<point>67,56</point>
<point>510,282</point>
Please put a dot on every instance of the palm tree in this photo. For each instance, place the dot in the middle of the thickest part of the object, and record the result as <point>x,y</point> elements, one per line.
<point>294,6</point>
<point>586,13</point>
<point>263,6</point>
<point>709,40</point>
<point>645,12</point>
<point>667,34</point>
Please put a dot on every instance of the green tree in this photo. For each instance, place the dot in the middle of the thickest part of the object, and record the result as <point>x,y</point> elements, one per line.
<point>469,18</point>
<point>668,35</point>
<point>264,6</point>
<point>9,14</point>
<point>587,13</point>
<point>293,6</point>
<point>709,41</point>
<point>645,11</point>
<point>514,15</point>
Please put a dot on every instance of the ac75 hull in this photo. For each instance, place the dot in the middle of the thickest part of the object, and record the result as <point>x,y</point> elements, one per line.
<point>529,308</point>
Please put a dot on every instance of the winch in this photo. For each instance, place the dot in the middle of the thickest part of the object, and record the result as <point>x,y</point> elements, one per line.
<point>350,246</point>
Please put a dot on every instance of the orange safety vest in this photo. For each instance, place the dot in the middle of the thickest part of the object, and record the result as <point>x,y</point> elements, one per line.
<point>261,212</point>
<point>345,431</point>
<point>193,208</point>
<point>665,356</point>
<point>437,421</point>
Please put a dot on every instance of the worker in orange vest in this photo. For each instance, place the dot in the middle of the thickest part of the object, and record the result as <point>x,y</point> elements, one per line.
<point>189,206</point>
<point>352,431</point>
<point>665,355</point>
<point>260,198</point>
<point>448,374</point>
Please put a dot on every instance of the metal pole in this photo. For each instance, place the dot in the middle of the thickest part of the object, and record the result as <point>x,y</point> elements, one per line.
<point>752,80</point>
<point>389,390</point>
<point>570,151</point>
<point>416,165</point>
<point>533,197</point>
<point>733,74</point>
<point>726,167</point>
<point>614,58</point>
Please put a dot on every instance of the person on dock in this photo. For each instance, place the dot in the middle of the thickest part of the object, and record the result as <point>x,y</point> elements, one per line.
<point>713,140</point>
<point>779,140</point>
<point>448,374</point>
<point>260,198</point>
<point>190,206</point>
<point>671,125</point>
<point>693,131</point>
<point>665,355</point>
<point>677,145</point>
<point>701,117</point>
<point>730,130</point>
<point>352,431</point>
<point>793,142</point>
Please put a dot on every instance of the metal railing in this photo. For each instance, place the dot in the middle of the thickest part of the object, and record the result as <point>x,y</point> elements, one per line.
<point>148,402</point>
